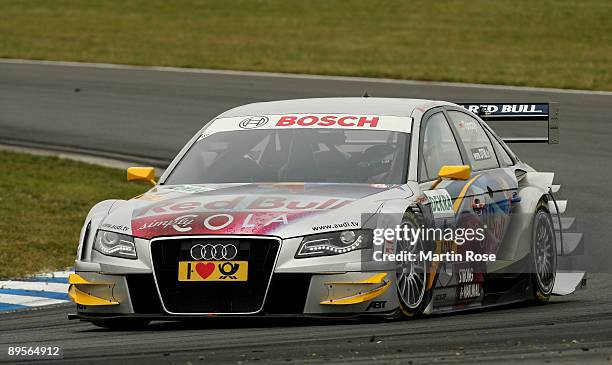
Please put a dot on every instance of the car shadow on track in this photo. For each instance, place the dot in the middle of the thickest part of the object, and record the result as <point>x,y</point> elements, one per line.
<point>270,322</point>
<point>524,305</point>
<point>238,323</point>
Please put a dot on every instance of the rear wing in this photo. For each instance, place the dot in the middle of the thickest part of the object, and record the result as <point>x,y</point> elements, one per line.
<point>524,116</point>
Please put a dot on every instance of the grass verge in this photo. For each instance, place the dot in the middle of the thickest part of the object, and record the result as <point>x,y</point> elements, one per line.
<point>564,44</point>
<point>44,203</point>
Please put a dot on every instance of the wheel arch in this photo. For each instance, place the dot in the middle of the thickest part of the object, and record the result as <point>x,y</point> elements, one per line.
<point>532,188</point>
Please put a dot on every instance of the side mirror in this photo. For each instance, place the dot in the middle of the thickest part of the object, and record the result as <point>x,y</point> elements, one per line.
<point>141,174</point>
<point>461,172</point>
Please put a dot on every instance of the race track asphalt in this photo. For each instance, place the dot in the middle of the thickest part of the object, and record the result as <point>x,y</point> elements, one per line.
<point>147,115</point>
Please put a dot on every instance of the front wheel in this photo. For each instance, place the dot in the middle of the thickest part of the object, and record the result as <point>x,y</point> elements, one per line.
<point>544,254</point>
<point>411,276</point>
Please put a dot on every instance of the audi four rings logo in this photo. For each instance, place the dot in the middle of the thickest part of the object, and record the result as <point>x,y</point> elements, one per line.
<point>253,122</point>
<point>214,251</point>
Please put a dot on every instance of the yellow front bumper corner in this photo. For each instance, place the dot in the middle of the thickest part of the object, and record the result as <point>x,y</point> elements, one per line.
<point>85,292</point>
<point>345,293</point>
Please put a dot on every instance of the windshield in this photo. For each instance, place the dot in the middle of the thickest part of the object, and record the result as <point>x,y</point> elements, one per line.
<point>295,155</point>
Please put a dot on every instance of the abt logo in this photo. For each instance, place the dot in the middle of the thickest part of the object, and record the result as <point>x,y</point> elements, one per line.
<point>253,122</point>
<point>377,304</point>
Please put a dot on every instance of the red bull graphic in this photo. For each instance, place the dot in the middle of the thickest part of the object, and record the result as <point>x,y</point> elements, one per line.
<point>212,223</point>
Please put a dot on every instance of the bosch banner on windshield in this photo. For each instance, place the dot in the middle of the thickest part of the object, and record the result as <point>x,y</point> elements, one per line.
<point>340,121</point>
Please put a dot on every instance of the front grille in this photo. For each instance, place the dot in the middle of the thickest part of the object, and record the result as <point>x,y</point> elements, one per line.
<point>287,294</point>
<point>212,296</point>
<point>143,294</point>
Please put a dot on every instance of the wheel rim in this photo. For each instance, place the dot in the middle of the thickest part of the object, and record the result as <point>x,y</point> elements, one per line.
<point>544,252</point>
<point>411,275</point>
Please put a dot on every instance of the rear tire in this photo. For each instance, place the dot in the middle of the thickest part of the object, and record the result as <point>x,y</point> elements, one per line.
<point>413,295</point>
<point>122,324</point>
<point>544,254</point>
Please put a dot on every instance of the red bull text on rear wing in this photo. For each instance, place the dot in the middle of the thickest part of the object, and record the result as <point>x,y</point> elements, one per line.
<point>520,113</point>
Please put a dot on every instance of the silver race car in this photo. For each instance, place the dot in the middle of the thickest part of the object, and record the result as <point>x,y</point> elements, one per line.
<point>333,207</point>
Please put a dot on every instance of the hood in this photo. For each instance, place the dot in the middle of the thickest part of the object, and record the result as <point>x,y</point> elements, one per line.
<point>284,210</point>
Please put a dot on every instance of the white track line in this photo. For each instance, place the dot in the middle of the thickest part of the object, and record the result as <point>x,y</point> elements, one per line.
<point>34,285</point>
<point>56,274</point>
<point>302,76</point>
<point>28,301</point>
<point>81,157</point>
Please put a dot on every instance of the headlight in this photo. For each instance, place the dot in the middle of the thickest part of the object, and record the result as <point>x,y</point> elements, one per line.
<point>115,244</point>
<point>334,243</point>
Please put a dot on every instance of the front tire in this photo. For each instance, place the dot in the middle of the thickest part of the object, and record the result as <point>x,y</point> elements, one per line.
<point>411,276</point>
<point>544,254</point>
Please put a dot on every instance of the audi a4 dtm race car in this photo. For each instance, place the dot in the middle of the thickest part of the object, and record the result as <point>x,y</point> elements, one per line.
<point>332,207</point>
